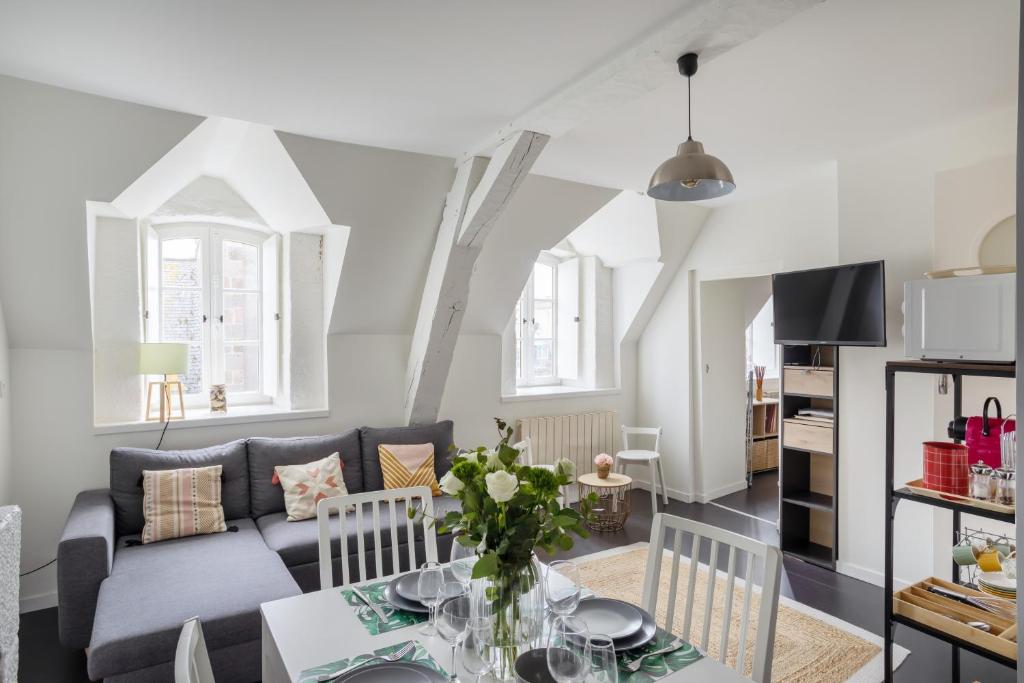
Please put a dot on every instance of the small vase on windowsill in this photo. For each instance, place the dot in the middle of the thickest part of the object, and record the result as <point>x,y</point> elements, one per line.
<point>759,390</point>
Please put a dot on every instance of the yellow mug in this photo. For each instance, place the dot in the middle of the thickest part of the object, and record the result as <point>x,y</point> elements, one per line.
<point>988,560</point>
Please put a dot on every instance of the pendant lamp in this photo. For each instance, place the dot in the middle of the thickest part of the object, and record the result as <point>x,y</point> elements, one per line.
<point>691,174</point>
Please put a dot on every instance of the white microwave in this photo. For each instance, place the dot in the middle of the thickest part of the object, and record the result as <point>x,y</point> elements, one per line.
<point>961,318</point>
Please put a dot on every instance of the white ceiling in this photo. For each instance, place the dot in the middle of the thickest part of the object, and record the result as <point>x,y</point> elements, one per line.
<point>439,77</point>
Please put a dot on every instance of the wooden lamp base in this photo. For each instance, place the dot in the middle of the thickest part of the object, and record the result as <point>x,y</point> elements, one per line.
<point>170,383</point>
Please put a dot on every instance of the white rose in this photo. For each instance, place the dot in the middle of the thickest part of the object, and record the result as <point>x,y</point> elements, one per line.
<point>501,485</point>
<point>493,461</point>
<point>451,484</point>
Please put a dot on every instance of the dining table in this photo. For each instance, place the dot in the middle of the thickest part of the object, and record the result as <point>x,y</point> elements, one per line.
<point>313,629</point>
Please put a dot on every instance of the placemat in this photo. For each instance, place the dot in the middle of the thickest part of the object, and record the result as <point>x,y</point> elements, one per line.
<point>419,655</point>
<point>396,618</point>
<point>657,666</point>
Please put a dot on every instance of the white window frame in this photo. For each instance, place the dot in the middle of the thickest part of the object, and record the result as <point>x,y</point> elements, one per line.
<point>526,326</point>
<point>211,237</point>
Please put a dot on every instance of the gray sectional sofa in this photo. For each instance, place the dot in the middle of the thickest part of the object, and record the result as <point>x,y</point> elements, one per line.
<point>126,602</point>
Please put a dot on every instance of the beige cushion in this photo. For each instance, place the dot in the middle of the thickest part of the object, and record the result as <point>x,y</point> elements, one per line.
<point>306,485</point>
<point>405,465</point>
<point>178,503</point>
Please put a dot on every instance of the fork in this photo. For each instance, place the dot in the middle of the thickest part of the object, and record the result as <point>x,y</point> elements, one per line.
<point>635,665</point>
<point>393,657</point>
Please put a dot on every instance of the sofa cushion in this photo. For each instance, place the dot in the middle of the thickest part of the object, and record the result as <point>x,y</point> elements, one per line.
<point>127,464</point>
<point>439,434</point>
<point>266,453</point>
<point>180,503</point>
<point>296,542</point>
<point>153,589</point>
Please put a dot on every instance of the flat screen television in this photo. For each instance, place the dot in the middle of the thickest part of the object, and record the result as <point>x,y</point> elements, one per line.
<point>841,306</point>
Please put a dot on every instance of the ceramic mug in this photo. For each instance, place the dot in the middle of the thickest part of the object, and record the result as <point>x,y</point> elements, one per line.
<point>963,554</point>
<point>1003,546</point>
<point>988,560</point>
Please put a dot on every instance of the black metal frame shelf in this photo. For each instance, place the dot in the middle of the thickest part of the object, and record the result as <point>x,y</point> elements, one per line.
<point>809,499</point>
<point>893,496</point>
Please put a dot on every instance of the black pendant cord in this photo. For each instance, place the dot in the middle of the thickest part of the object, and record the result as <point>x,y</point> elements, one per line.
<point>689,112</point>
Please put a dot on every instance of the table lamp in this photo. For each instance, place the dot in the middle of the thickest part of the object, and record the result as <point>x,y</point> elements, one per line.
<point>169,360</point>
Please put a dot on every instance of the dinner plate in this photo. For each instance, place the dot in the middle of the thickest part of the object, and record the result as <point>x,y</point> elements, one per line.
<point>646,633</point>
<point>613,618</point>
<point>998,581</point>
<point>404,604</point>
<point>532,667</point>
<point>407,585</point>
<point>393,672</point>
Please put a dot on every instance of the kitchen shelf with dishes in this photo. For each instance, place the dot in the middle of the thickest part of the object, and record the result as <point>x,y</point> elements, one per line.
<point>979,614</point>
<point>808,471</point>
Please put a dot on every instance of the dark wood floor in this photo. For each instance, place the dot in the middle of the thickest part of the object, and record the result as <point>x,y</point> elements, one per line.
<point>859,603</point>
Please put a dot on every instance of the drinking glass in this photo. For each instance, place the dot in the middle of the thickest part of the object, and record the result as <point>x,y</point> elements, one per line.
<point>562,587</point>
<point>568,651</point>
<point>476,647</point>
<point>604,668</point>
<point>430,581</point>
<point>463,561</point>
<point>453,622</point>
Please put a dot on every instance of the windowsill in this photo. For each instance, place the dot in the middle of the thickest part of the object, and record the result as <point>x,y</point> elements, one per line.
<point>200,417</point>
<point>554,391</point>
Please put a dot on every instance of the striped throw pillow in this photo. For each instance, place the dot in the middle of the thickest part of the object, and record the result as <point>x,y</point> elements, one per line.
<point>179,503</point>
<point>405,465</point>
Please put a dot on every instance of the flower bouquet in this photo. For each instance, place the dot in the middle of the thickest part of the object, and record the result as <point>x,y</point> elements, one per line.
<point>604,463</point>
<point>508,511</point>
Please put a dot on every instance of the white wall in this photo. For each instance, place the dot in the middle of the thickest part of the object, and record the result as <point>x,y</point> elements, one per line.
<point>6,470</point>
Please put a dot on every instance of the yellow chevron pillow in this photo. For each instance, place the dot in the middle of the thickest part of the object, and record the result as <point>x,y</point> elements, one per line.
<point>405,465</point>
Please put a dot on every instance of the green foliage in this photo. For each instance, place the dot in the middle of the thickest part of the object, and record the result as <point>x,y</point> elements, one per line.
<point>507,532</point>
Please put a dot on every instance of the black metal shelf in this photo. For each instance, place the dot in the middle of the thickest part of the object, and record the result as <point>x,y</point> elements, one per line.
<point>814,553</point>
<point>809,499</point>
<point>893,496</point>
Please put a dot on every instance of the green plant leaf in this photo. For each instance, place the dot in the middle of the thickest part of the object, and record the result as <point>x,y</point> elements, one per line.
<point>486,566</point>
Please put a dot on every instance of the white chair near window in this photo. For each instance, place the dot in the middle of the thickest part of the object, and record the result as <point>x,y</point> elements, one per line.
<point>191,660</point>
<point>370,520</point>
<point>737,545</point>
<point>652,458</point>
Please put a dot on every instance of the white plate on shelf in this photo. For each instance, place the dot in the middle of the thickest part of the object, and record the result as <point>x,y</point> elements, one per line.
<point>997,581</point>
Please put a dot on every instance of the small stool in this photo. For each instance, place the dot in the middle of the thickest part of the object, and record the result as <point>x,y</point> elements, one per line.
<point>612,508</point>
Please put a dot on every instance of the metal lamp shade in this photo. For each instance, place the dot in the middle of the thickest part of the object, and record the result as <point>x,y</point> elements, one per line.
<point>163,359</point>
<point>691,175</point>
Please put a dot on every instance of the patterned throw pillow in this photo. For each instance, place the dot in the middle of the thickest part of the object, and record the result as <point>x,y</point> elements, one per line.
<point>185,502</point>
<point>306,485</point>
<point>405,465</point>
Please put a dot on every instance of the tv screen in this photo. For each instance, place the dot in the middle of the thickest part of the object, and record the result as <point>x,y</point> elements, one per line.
<point>843,305</point>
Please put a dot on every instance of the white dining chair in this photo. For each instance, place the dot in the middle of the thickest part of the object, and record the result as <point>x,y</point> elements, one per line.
<point>636,456</point>
<point>420,496</point>
<point>737,544</point>
<point>191,660</point>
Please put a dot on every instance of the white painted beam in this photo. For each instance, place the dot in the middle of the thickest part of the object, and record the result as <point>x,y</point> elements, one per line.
<point>481,191</point>
<point>707,27</point>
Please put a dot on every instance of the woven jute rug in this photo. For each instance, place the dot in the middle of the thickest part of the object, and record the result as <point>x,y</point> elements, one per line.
<point>810,646</point>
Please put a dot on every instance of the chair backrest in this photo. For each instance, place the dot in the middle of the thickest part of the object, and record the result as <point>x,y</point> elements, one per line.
<point>421,496</point>
<point>525,448</point>
<point>641,431</point>
<point>737,544</point>
<point>191,660</point>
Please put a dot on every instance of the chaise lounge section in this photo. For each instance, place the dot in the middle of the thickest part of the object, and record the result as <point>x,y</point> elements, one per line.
<point>126,602</point>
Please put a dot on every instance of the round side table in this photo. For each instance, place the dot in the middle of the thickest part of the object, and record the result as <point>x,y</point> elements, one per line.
<point>612,508</point>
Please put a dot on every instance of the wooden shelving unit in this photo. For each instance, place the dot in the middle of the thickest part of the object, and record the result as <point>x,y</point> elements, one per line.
<point>764,443</point>
<point>808,471</point>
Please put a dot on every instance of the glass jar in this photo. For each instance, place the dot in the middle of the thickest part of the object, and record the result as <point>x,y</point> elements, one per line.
<point>980,484</point>
<point>514,602</point>
<point>1005,486</point>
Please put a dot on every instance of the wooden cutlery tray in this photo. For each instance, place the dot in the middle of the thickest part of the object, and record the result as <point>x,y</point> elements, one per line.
<point>950,616</point>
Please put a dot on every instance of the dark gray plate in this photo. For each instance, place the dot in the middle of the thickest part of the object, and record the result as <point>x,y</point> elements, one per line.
<point>393,672</point>
<point>532,667</point>
<point>407,585</point>
<point>614,618</point>
<point>401,603</point>
<point>646,633</point>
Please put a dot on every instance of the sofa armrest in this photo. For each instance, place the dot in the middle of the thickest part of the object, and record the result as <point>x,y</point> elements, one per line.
<point>84,558</point>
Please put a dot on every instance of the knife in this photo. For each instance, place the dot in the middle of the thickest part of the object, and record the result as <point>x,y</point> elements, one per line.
<point>376,610</point>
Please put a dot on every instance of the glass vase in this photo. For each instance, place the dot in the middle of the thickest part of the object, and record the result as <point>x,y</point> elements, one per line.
<point>514,603</point>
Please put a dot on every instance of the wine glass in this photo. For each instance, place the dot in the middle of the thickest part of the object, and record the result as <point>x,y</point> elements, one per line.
<point>604,667</point>
<point>463,560</point>
<point>429,583</point>
<point>476,647</point>
<point>562,588</point>
<point>568,651</point>
<point>453,621</point>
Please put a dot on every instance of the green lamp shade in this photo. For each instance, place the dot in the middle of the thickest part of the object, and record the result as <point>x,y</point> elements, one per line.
<point>163,359</point>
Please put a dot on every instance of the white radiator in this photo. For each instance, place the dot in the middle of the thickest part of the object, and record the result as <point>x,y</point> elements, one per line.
<point>576,437</point>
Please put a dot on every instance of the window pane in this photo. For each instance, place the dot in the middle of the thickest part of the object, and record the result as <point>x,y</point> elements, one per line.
<point>193,379</point>
<point>181,263</point>
<point>241,367</point>
<point>519,358</point>
<point>543,281</point>
<point>543,320</point>
<point>182,315</point>
<point>241,266</point>
<point>543,358</point>
<point>241,316</point>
